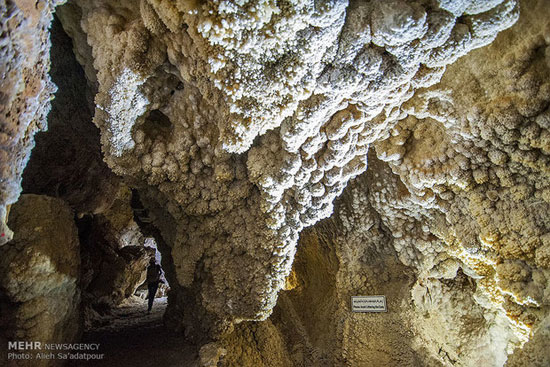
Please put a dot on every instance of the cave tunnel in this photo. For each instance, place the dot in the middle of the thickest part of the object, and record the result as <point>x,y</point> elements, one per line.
<point>312,183</point>
<point>115,254</point>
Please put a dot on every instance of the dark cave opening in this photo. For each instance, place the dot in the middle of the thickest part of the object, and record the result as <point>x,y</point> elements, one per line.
<point>66,161</point>
<point>114,249</point>
<point>157,123</point>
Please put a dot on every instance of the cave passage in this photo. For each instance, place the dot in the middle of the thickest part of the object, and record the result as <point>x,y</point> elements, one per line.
<point>232,138</point>
<point>113,253</point>
<point>129,336</point>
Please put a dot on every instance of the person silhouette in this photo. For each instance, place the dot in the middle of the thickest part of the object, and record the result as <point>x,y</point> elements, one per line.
<point>154,273</point>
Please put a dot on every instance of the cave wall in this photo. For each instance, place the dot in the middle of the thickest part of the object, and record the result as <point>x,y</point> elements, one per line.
<point>347,255</point>
<point>239,124</point>
<point>111,270</point>
<point>66,161</point>
<point>26,91</point>
<point>472,153</point>
<point>437,320</point>
<point>459,183</point>
<point>40,277</point>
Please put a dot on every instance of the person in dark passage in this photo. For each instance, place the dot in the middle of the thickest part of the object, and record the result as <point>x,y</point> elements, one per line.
<point>154,273</point>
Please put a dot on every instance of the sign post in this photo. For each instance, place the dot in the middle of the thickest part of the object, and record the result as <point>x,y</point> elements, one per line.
<point>368,304</point>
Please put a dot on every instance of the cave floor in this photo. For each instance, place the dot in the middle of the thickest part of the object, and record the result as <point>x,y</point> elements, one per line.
<point>131,337</point>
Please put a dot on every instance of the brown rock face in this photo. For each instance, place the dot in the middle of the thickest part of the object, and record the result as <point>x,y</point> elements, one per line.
<point>39,276</point>
<point>67,162</point>
<point>237,124</point>
<point>111,272</point>
<point>25,91</point>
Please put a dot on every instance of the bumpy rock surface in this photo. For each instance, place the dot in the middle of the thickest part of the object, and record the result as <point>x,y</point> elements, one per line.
<point>472,158</point>
<point>436,320</point>
<point>437,323</point>
<point>40,275</point>
<point>66,161</point>
<point>240,122</point>
<point>25,91</point>
<point>114,258</point>
<point>535,352</point>
<point>237,123</point>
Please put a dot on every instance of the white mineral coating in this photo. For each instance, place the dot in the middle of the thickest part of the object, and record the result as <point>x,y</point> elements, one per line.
<point>25,92</point>
<point>456,328</point>
<point>534,353</point>
<point>240,122</point>
<point>468,175</point>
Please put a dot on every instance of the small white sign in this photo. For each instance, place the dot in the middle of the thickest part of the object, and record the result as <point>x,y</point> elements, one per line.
<point>368,304</point>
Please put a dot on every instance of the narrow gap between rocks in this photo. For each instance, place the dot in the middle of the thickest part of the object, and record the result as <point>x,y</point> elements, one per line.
<point>114,253</point>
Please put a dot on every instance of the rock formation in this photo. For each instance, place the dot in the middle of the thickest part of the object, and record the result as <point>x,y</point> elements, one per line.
<point>237,124</point>
<point>25,92</point>
<point>40,276</point>
<point>66,161</point>
<point>352,253</point>
<point>473,153</point>
<point>111,272</point>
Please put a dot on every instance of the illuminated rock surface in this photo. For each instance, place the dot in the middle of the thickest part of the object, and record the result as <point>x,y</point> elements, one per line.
<point>39,276</point>
<point>238,124</point>
<point>295,89</point>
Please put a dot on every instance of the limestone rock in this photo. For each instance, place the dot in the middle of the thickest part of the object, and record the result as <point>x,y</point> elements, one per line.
<point>210,354</point>
<point>240,122</point>
<point>119,277</point>
<point>535,352</point>
<point>25,91</point>
<point>66,161</point>
<point>40,275</point>
<point>114,256</point>
<point>111,272</point>
<point>347,255</point>
<point>471,158</point>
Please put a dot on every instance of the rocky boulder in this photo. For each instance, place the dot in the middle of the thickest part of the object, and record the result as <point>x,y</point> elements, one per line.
<point>40,275</point>
<point>110,273</point>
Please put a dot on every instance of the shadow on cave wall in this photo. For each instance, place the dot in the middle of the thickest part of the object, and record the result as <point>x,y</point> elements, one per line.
<point>67,161</point>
